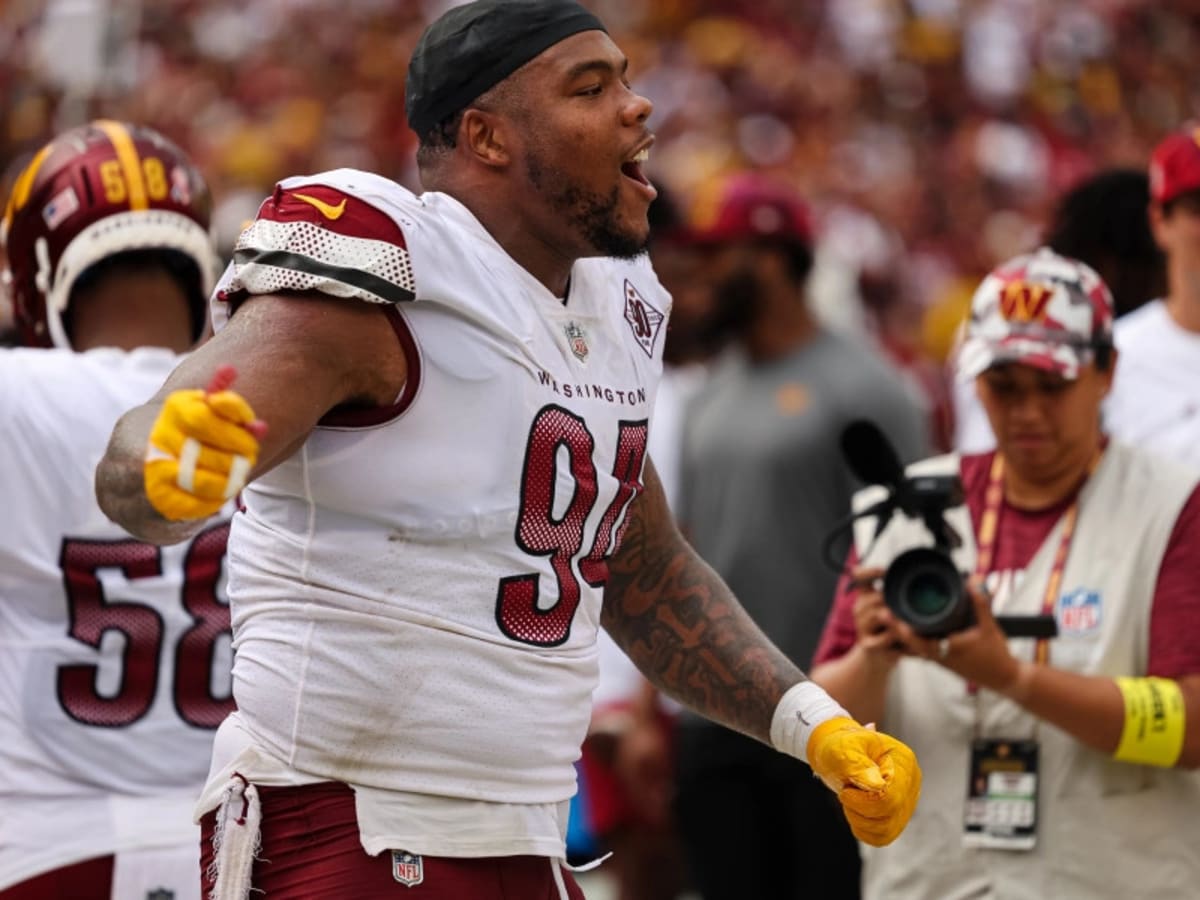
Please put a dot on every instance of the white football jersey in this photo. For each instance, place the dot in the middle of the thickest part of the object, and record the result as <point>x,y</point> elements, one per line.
<point>416,592</point>
<point>114,654</point>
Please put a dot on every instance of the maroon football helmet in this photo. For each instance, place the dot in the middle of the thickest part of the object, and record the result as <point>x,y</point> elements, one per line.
<point>95,191</point>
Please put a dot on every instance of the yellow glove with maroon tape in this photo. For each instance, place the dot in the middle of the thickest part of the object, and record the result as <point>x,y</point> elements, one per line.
<point>876,777</point>
<point>202,447</point>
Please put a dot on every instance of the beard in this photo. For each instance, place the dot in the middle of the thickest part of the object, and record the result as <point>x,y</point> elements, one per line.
<point>591,215</point>
<point>736,302</point>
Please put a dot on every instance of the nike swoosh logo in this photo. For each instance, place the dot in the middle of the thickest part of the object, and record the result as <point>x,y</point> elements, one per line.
<point>332,213</point>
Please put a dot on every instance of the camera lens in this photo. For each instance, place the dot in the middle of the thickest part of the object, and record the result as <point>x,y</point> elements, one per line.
<point>927,593</point>
<point>924,588</point>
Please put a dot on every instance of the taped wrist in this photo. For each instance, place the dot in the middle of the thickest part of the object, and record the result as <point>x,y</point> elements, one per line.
<point>1154,722</point>
<point>800,711</point>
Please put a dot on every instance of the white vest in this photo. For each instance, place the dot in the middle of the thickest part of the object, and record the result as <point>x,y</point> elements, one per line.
<point>1106,829</point>
<point>416,602</point>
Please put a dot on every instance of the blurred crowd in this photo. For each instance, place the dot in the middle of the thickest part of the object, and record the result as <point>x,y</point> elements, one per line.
<point>930,136</point>
<point>930,140</point>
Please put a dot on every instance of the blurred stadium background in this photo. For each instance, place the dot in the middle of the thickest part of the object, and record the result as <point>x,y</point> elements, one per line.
<point>931,136</point>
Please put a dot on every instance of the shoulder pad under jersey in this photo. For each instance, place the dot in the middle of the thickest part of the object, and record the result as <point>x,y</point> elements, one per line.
<point>330,233</point>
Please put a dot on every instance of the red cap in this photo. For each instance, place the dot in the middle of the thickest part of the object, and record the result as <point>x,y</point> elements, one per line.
<point>1175,165</point>
<point>751,206</point>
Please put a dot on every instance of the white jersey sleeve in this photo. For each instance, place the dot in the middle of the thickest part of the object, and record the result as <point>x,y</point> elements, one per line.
<point>324,233</point>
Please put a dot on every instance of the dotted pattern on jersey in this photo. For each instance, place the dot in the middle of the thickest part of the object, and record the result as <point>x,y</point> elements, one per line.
<point>304,242</point>
<point>91,616</point>
<point>539,533</point>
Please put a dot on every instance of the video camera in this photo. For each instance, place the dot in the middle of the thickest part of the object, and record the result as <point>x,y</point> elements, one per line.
<point>922,586</point>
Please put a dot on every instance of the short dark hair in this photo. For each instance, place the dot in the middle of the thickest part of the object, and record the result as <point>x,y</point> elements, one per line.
<point>1103,223</point>
<point>443,137</point>
<point>439,139</point>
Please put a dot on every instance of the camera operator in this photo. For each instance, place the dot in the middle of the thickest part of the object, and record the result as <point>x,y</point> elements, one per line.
<point>1054,768</point>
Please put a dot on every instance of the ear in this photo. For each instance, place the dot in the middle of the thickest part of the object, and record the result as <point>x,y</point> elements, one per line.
<point>485,136</point>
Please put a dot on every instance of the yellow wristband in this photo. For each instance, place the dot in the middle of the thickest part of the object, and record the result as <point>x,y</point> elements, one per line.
<point>1154,720</point>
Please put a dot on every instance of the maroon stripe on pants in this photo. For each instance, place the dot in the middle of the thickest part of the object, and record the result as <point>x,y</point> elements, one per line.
<point>311,851</point>
<point>88,880</point>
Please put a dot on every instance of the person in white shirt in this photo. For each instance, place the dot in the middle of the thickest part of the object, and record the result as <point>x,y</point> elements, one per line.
<point>1155,402</point>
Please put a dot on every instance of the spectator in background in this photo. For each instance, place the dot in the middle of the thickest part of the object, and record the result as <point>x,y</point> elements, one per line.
<point>690,342</point>
<point>628,780</point>
<point>763,481</point>
<point>1056,768</point>
<point>1103,223</point>
<point>895,317</point>
<point>8,325</point>
<point>1155,403</point>
<point>114,654</point>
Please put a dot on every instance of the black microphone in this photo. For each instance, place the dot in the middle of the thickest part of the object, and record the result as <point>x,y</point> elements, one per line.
<point>870,455</point>
<point>873,459</point>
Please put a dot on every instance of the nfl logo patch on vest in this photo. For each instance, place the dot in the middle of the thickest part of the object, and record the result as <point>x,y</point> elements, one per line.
<point>407,868</point>
<point>1079,612</point>
<point>643,318</point>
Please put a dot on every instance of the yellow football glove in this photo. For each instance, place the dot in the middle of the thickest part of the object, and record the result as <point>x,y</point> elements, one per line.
<point>876,777</point>
<point>202,447</point>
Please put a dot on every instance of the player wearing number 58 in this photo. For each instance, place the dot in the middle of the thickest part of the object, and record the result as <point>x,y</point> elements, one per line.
<point>114,654</point>
<point>452,494</point>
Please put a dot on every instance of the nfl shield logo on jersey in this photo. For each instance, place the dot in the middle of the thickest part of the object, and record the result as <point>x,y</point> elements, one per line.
<point>160,894</point>
<point>407,868</point>
<point>1079,612</point>
<point>577,340</point>
<point>643,318</point>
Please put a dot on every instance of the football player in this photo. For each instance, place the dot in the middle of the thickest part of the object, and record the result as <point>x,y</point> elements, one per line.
<point>114,654</point>
<point>453,492</point>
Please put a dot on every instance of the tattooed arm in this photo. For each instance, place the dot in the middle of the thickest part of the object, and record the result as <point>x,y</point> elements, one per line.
<point>682,626</point>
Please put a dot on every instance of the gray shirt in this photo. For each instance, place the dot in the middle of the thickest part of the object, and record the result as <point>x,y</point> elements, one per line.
<point>764,481</point>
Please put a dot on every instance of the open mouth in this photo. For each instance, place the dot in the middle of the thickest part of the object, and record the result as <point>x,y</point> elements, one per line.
<point>633,168</point>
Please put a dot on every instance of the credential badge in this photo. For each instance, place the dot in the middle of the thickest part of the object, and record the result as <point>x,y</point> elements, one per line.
<point>407,868</point>
<point>643,318</point>
<point>577,340</point>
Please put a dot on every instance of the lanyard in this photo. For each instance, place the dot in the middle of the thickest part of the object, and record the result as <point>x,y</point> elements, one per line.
<point>988,534</point>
